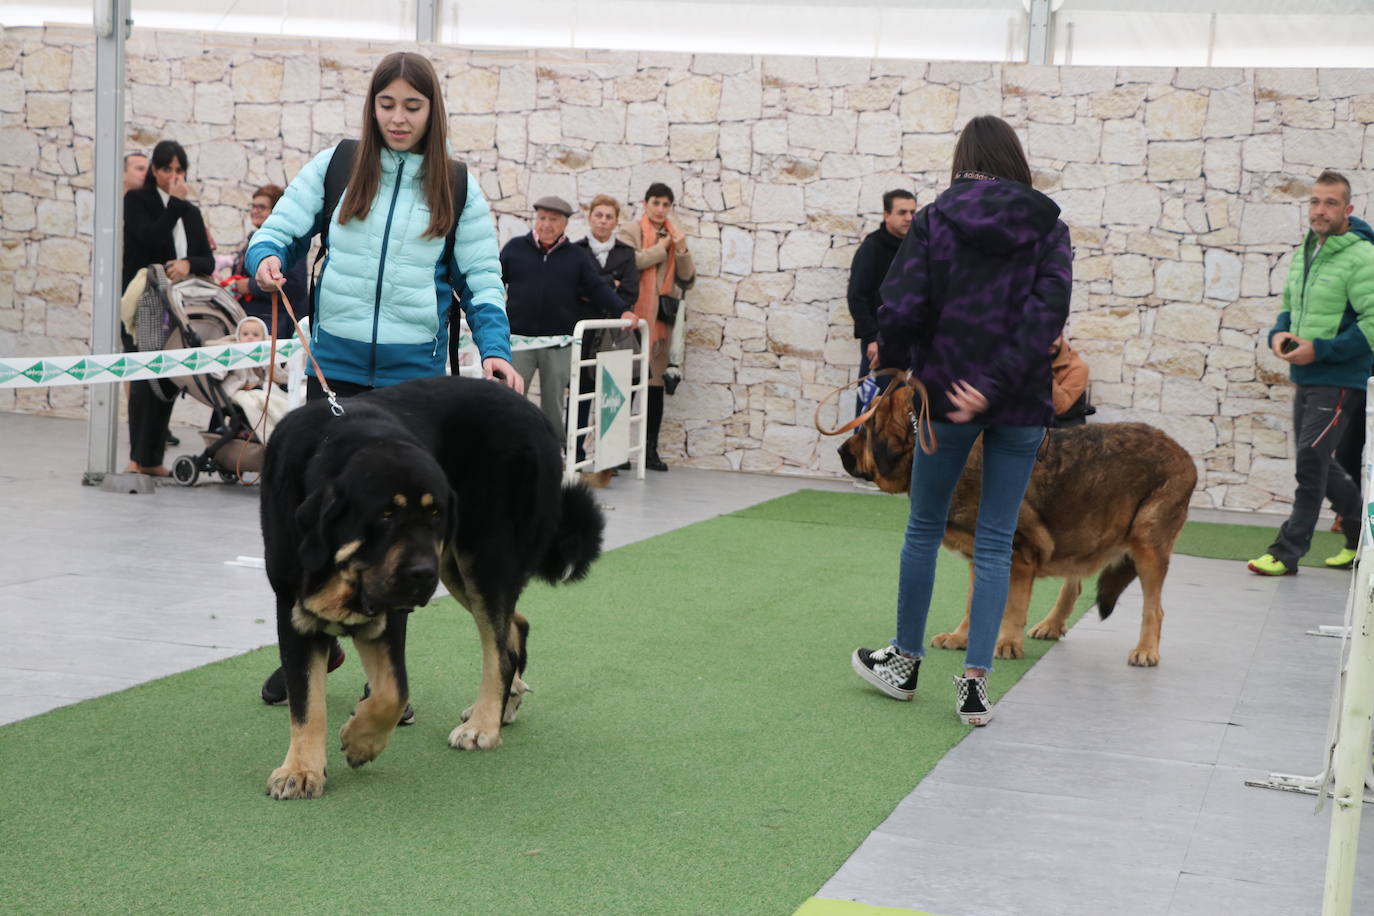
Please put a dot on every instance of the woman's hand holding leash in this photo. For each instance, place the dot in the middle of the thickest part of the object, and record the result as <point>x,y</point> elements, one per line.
<point>968,402</point>
<point>269,274</point>
<point>497,369</point>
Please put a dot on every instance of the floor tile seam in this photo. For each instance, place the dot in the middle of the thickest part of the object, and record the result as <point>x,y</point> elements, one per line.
<point>139,640</point>
<point>991,741</point>
<point>59,674</point>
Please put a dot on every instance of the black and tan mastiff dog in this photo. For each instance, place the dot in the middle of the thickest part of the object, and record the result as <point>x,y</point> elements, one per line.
<point>364,513</point>
<point>1108,498</point>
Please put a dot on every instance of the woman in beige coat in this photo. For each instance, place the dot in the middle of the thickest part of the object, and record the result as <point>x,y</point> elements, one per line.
<point>665,270</point>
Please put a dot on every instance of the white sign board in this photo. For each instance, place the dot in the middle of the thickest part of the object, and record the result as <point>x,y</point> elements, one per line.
<point>612,406</point>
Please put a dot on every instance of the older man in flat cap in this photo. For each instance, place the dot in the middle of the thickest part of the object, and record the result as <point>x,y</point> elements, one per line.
<point>545,274</point>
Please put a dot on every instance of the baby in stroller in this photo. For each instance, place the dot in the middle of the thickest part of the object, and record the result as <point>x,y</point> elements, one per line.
<point>247,387</point>
<point>243,421</point>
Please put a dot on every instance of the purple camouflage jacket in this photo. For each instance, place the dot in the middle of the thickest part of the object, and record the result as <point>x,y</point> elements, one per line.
<point>978,291</point>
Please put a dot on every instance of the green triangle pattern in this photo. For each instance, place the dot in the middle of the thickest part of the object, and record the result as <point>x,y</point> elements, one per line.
<point>612,398</point>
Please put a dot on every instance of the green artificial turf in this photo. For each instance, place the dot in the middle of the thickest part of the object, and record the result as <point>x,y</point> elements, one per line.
<point>696,743</point>
<point>1246,542</point>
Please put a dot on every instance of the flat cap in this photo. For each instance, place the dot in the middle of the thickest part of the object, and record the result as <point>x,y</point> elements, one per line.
<point>554,204</point>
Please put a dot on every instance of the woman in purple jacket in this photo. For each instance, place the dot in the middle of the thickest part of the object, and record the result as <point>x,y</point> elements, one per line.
<point>977,293</point>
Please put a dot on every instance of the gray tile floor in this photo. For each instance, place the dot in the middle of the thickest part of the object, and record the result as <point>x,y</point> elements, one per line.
<point>1100,788</point>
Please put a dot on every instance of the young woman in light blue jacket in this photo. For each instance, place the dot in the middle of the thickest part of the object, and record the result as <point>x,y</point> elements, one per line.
<point>383,295</point>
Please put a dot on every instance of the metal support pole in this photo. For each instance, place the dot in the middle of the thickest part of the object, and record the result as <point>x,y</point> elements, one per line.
<point>1039,37</point>
<point>427,20</point>
<point>107,243</point>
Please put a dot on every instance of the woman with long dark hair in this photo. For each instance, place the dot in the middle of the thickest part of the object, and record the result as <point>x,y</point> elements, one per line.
<point>160,227</point>
<point>383,295</point>
<point>978,292</point>
<point>382,302</point>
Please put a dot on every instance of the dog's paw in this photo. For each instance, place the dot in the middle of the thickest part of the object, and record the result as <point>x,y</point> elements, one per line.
<point>288,782</point>
<point>1009,648</point>
<point>470,737</point>
<point>1046,630</point>
<point>361,744</point>
<point>1143,658</point>
<point>950,641</point>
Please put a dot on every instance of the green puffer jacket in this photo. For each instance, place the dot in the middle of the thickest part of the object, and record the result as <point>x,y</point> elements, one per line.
<point>1329,300</point>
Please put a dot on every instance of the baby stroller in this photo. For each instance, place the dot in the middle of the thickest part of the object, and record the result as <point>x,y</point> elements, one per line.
<point>192,313</point>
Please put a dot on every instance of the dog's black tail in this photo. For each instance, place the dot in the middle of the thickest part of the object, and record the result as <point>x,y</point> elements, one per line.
<point>578,540</point>
<point>1112,581</point>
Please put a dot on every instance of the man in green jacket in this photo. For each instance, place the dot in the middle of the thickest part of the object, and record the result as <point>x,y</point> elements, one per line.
<point>1325,332</point>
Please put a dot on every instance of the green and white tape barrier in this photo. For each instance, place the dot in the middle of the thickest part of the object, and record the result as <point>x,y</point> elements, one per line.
<point>47,371</point>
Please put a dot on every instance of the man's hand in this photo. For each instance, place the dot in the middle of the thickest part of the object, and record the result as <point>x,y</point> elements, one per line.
<point>177,270</point>
<point>631,317</point>
<point>665,241</point>
<point>496,368</point>
<point>872,354</point>
<point>269,274</point>
<point>968,402</point>
<point>1300,352</point>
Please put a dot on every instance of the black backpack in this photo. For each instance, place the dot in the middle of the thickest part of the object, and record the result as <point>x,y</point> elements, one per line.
<point>336,180</point>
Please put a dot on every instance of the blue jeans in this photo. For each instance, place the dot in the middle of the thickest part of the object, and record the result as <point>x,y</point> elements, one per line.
<point>1008,458</point>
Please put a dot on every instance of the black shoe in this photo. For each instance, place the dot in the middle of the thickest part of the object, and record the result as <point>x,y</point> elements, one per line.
<point>274,688</point>
<point>653,462</point>
<point>624,467</point>
<point>407,714</point>
<point>172,440</point>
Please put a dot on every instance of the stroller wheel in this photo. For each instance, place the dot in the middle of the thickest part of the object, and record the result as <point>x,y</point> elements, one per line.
<point>184,470</point>
<point>228,476</point>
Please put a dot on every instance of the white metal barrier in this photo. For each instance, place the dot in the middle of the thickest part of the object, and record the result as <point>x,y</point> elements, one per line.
<point>1347,772</point>
<point>602,398</point>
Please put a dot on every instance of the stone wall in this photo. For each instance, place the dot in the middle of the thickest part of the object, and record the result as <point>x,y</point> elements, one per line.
<point>1183,188</point>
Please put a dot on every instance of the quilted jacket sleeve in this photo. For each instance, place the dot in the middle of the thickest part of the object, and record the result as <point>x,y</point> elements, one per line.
<point>478,261</point>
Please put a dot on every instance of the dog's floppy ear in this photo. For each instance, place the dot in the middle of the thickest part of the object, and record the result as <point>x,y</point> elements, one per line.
<point>890,437</point>
<point>451,522</point>
<point>314,518</point>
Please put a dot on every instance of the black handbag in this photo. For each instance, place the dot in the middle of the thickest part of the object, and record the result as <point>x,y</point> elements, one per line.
<point>667,308</point>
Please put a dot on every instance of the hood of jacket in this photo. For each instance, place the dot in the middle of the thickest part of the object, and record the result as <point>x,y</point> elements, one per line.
<point>997,216</point>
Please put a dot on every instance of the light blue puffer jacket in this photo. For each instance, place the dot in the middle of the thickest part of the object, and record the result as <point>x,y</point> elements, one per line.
<point>382,297</point>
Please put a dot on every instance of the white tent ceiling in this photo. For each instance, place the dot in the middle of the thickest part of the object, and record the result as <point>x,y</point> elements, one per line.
<point>1271,33</point>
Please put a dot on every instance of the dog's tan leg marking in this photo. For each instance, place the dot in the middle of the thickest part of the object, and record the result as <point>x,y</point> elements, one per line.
<point>1011,635</point>
<point>1056,622</point>
<point>518,687</point>
<point>301,774</point>
<point>959,638</point>
<point>1151,565</point>
<point>365,734</point>
<point>481,729</point>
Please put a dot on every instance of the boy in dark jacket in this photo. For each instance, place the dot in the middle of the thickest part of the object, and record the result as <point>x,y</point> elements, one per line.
<point>869,268</point>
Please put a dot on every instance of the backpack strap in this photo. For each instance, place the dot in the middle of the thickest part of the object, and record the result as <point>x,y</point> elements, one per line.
<point>455,316</point>
<point>335,181</point>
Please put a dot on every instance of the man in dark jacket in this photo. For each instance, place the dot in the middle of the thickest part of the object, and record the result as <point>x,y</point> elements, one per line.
<point>545,274</point>
<point>869,268</point>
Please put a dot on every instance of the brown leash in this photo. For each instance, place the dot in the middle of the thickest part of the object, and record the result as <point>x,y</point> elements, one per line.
<point>920,417</point>
<point>279,297</point>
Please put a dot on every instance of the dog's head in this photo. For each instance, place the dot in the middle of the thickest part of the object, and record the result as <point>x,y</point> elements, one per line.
<point>372,535</point>
<point>880,449</point>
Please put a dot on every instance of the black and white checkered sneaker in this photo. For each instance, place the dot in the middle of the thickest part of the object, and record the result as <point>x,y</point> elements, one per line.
<point>971,700</point>
<point>889,670</point>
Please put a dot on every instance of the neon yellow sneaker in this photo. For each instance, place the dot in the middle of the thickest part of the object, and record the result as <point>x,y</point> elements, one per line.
<point>1268,565</point>
<point>1343,560</point>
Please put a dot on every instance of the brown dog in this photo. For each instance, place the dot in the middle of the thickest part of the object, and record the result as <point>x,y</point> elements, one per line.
<point>1108,497</point>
